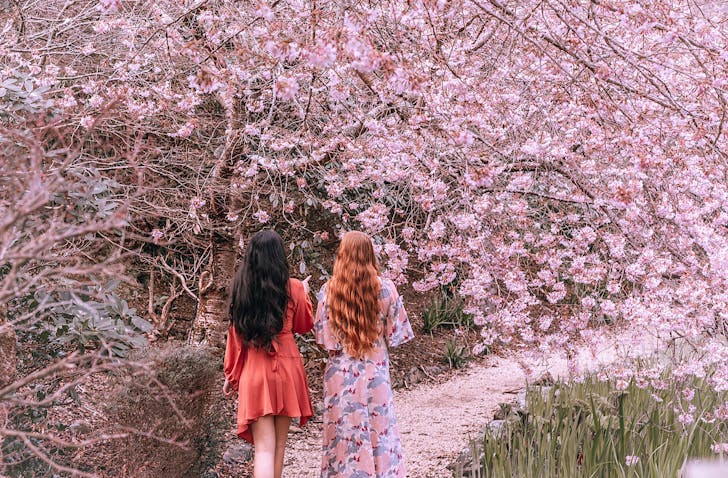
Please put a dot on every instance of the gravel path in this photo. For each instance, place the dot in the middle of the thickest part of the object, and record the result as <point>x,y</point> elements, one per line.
<point>437,419</point>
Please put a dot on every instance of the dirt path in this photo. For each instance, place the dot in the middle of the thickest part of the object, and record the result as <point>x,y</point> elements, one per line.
<point>436,420</point>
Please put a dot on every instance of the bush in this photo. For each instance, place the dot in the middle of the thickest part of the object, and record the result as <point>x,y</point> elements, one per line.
<point>456,355</point>
<point>178,401</point>
<point>591,429</point>
<point>446,311</point>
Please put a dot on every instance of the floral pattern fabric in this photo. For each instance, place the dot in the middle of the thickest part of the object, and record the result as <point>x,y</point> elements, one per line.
<point>360,433</point>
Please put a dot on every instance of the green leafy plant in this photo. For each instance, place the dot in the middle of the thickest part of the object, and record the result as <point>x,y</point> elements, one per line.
<point>456,355</point>
<point>446,311</point>
<point>591,429</point>
<point>89,320</point>
<point>21,93</point>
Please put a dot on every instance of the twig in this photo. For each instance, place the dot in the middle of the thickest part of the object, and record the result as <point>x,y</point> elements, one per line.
<point>48,460</point>
<point>425,372</point>
<point>182,280</point>
<point>204,288</point>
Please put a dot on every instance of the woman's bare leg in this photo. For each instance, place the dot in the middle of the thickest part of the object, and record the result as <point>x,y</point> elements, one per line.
<point>264,438</point>
<point>282,424</point>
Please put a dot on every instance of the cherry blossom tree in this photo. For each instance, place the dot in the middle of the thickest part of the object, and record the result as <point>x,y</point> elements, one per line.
<point>557,163</point>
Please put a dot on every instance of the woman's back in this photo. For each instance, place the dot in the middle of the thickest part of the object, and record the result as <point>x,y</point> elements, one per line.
<point>272,381</point>
<point>395,328</point>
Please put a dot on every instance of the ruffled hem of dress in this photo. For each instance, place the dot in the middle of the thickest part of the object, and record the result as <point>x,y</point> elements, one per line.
<point>246,433</point>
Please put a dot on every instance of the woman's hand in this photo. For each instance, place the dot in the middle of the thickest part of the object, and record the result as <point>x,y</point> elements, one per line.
<point>306,287</point>
<point>227,390</point>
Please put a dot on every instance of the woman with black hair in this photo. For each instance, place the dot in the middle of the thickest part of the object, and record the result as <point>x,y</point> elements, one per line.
<point>262,361</point>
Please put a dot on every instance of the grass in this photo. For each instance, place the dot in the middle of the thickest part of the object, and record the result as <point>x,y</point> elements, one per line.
<point>589,429</point>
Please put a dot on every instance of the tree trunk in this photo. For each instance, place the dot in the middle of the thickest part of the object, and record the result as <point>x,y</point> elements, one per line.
<point>8,355</point>
<point>211,319</point>
<point>213,307</point>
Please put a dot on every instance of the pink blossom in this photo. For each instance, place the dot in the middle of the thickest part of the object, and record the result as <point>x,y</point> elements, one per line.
<point>686,418</point>
<point>185,130</point>
<point>261,216</point>
<point>631,460</point>
<point>322,55</point>
<point>206,80</point>
<point>265,12</point>
<point>608,307</point>
<point>478,349</point>
<point>102,26</point>
<point>721,413</point>
<point>286,88</point>
<point>721,448</point>
<point>96,101</point>
<point>558,292</point>
<point>588,302</point>
<point>537,190</point>
<point>157,235</point>
<point>437,230</point>
<point>197,202</point>
<point>87,122</point>
<point>374,218</point>
<point>252,130</point>
<point>109,6</point>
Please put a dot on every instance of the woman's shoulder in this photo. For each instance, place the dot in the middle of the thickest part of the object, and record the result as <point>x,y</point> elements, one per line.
<point>295,287</point>
<point>321,294</point>
<point>388,287</point>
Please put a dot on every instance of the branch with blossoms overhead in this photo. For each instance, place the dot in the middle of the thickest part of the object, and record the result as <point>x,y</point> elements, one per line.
<point>558,164</point>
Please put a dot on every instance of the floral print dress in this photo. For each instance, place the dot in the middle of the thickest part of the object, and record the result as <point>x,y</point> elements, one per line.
<point>360,434</point>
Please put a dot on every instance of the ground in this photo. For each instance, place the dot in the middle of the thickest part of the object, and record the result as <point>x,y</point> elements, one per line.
<point>440,415</point>
<point>438,418</point>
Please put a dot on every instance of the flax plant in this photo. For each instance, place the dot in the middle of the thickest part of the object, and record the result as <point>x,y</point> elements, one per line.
<point>603,429</point>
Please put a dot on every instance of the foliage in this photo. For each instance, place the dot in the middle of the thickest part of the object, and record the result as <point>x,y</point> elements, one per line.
<point>446,311</point>
<point>456,355</point>
<point>75,319</point>
<point>60,228</point>
<point>177,403</point>
<point>561,163</point>
<point>22,94</point>
<point>560,158</point>
<point>603,428</point>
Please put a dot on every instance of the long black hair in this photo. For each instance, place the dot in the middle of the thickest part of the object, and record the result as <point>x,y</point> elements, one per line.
<point>259,294</point>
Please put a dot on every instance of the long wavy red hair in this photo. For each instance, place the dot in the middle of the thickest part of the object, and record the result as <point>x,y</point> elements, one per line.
<point>353,294</point>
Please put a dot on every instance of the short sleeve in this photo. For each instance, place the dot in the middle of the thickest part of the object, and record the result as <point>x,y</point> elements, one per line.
<point>399,329</point>
<point>321,329</point>
<point>234,357</point>
<point>303,315</point>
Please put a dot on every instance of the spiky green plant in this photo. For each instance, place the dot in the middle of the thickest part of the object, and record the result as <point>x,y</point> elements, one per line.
<point>590,429</point>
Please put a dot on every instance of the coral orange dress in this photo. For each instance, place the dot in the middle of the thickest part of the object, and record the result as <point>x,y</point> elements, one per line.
<point>272,382</point>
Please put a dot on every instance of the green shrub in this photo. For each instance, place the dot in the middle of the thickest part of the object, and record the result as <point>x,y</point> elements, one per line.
<point>589,429</point>
<point>456,355</point>
<point>178,400</point>
<point>446,311</point>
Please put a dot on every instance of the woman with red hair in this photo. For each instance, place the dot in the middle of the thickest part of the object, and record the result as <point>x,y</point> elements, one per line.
<point>360,315</point>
